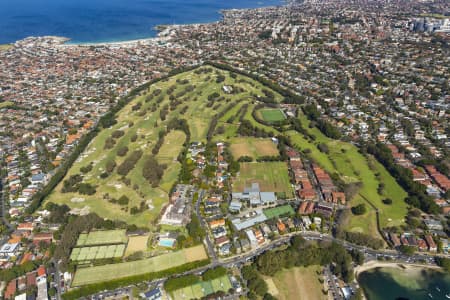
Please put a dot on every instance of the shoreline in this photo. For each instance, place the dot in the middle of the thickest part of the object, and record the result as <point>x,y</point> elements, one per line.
<point>159,29</point>
<point>407,268</point>
<point>404,267</point>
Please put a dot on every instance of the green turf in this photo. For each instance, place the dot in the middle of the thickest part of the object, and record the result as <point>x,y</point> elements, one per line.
<point>275,212</point>
<point>198,115</point>
<point>88,254</point>
<point>6,104</point>
<point>272,115</point>
<point>109,272</point>
<point>271,176</point>
<point>203,288</point>
<point>102,237</point>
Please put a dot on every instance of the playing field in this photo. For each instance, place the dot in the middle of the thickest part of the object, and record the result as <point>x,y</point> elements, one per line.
<point>275,212</point>
<point>183,96</point>
<point>272,115</point>
<point>90,275</point>
<point>203,288</point>
<point>271,176</point>
<point>87,254</point>
<point>102,237</point>
<point>297,283</point>
<point>136,243</point>
<point>253,147</point>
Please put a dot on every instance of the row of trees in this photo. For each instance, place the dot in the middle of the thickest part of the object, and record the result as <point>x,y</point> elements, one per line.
<point>129,163</point>
<point>215,119</point>
<point>153,171</point>
<point>417,196</point>
<point>247,129</point>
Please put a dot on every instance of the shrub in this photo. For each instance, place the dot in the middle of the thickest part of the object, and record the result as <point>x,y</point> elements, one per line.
<point>122,151</point>
<point>86,169</point>
<point>129,163</point>
<point>86,189</point>
<point>110,166</point>
<point>117,134</point>
<point>359,209</point>
<point>123,200</point>
<point>109,143</point>
<point>387,201</point>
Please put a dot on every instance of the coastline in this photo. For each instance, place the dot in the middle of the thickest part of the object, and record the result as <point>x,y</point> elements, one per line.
<point>404,267</point>
<point>409,269</point>
<point>160,31</point>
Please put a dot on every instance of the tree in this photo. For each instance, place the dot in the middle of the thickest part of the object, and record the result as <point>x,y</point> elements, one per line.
<point>122,151</point>
<point>123,200</point>
<point>407,250</point>
<point>110,166</point>
<point>359,209</point>
<point>387,201</point>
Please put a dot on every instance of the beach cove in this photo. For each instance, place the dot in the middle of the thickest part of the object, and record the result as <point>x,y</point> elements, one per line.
<point>383,281</point>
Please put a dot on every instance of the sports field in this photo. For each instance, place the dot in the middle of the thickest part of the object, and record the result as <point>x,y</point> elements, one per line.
<point>203,288</point>
<point>102,237</point>
<point>253,147</point>
<point>297,283</point>
<point>87,254</point>
<point>136,243</point>
<point>275,212</point>
<point>272,115</point>
<point>96,274</point>
<point>139,123</point>
<point>271,176</point>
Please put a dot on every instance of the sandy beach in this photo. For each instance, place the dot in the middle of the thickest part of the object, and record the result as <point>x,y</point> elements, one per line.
<point>383,264</point>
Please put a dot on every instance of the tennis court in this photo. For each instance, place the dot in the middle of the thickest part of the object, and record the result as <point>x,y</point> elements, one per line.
<point>276,212</point>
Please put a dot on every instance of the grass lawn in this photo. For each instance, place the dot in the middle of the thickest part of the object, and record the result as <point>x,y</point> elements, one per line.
<point>87,254</point>
<point>6,103</point>
<point>102,237</point>
<point>278,211</point>
<point>173,143</point>
<point>203,288</point>
<point>272,114</point>
<point>345,160</point>
<point>145,126</point>
<point>298,283</point>
<point>253,147</point>
<point>108,272</point>
<point>271,176</point>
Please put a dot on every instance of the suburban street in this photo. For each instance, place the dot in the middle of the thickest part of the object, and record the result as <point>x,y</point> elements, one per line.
<point>389,256</point>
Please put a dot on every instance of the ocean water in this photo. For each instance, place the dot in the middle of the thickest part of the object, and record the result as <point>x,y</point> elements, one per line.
<point>395,284</point>
<point>89,21</point>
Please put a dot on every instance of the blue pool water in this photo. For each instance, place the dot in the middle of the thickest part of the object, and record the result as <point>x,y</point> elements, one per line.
<point>166,242</point>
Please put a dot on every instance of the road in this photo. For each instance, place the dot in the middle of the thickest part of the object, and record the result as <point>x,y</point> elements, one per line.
<point>207,240</point>
<point>57,279</point>
<point>239,260</point>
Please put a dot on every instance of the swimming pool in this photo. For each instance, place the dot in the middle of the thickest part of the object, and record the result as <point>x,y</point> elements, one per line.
<point>165,242</point>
